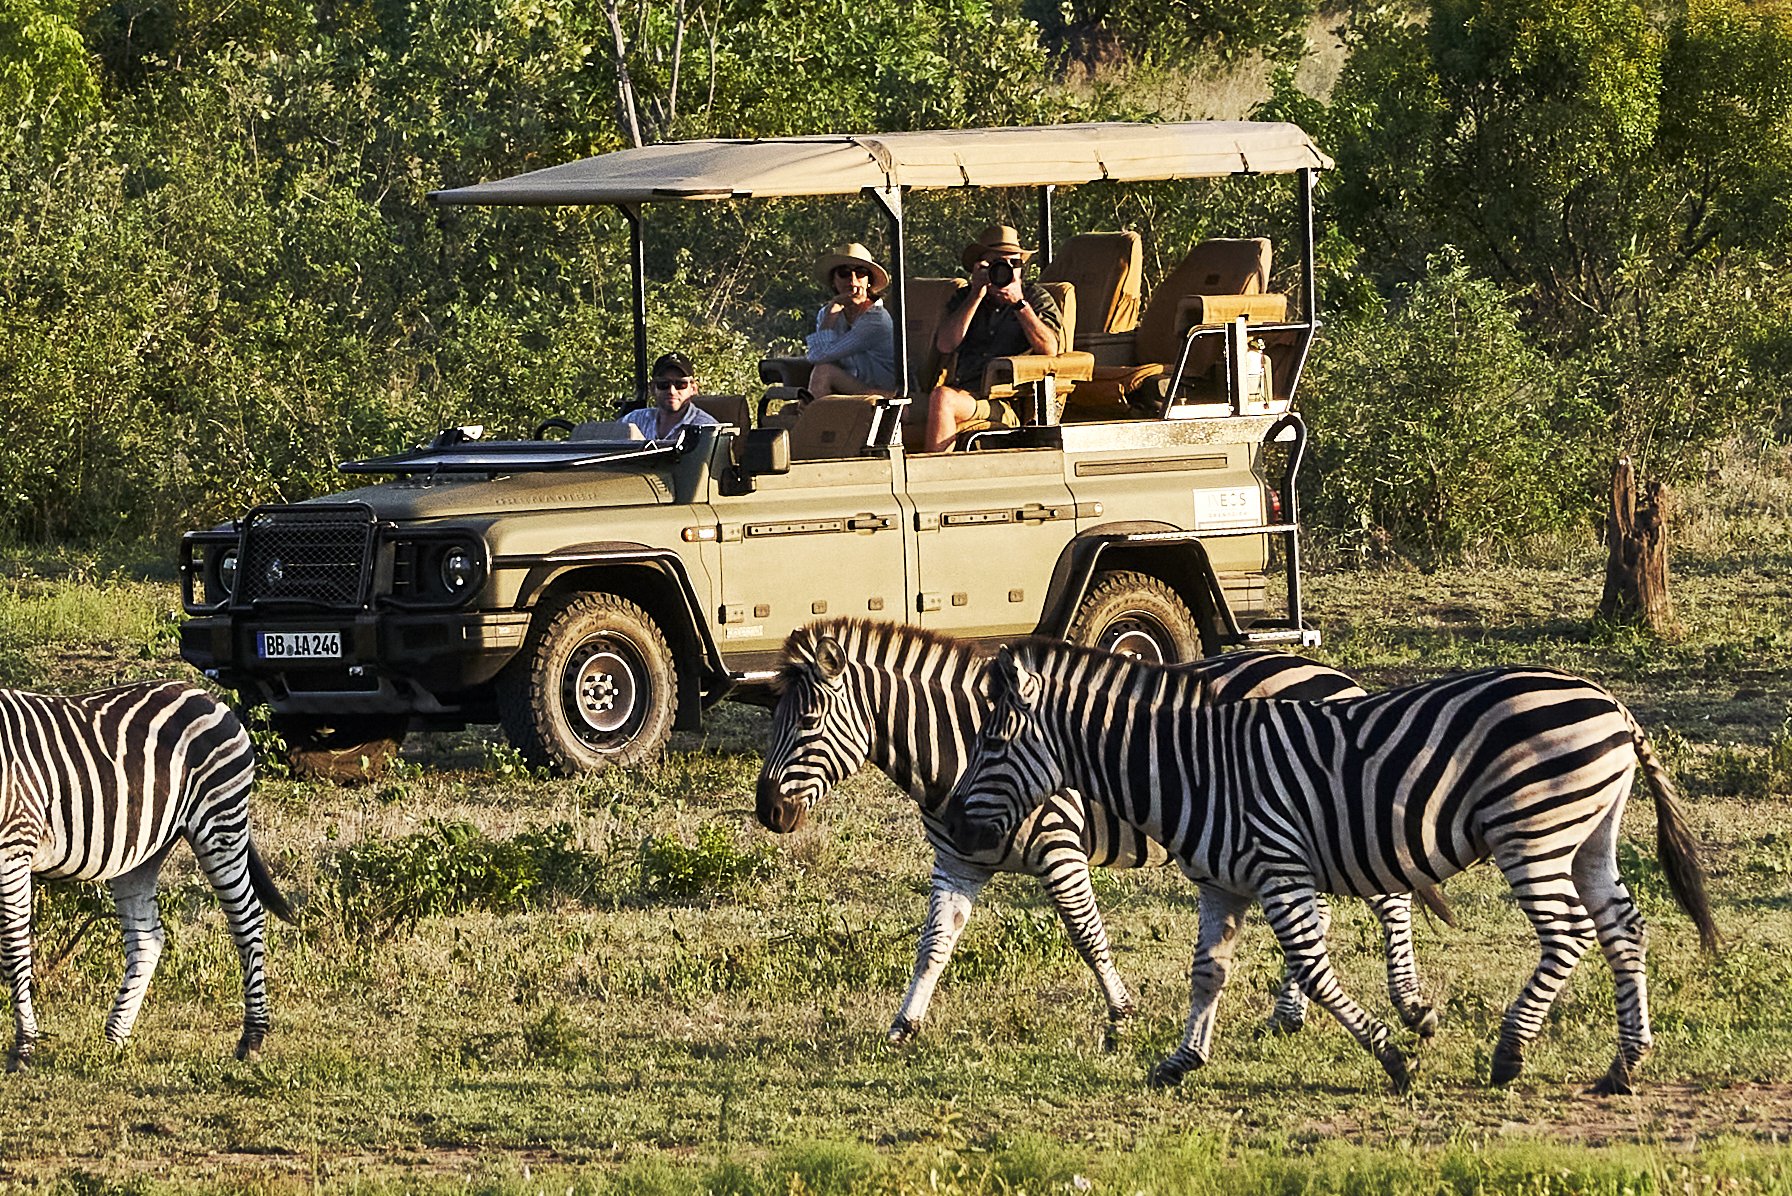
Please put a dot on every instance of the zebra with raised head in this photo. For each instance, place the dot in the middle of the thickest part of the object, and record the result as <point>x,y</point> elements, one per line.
<point>1280,801</point>
<point>100,786</point>
<point>910,702</point>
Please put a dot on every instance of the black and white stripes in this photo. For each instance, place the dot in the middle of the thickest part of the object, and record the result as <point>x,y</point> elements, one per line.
<point>911,702</point>
<point>99,787</point>
<point>1279,801</point>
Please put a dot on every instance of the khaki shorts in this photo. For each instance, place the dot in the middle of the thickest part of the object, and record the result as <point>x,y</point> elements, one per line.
<point>1000,413</point>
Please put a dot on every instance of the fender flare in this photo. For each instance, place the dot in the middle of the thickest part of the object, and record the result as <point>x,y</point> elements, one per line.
<point>1174,555</point>
<point>702,674</point>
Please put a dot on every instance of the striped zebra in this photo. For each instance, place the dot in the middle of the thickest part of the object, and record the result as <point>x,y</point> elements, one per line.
<point>1281,801</point>
<point>909,701</point>
<point>99,787</point>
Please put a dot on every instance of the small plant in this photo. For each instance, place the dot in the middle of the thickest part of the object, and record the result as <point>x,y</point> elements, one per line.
<point>554,1038</point>
<point>713,867</point>
<point>382,886</point>
<point>505,761</point>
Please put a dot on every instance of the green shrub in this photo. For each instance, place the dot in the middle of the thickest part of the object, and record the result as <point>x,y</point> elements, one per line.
<point>1440,432</point>
<point>713,867</point>
<point>384,885</point>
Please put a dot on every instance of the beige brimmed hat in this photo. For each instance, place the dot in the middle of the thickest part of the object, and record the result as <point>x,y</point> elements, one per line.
<point>851,254</point>
<point>997,238</point>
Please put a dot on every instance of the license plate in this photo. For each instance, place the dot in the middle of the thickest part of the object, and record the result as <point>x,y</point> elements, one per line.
<point>1240,506</point>
<point>301,645</point>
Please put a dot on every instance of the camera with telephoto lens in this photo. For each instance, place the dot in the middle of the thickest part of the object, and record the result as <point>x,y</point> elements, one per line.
<point>1001,272</point>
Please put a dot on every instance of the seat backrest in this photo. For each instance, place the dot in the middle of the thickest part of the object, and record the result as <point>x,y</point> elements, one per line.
<point>927,299</point>
<point>1065,295</point>
<point>1106,269</point>
<point>833,427</point>
<point>728,409</point>
<point>1218,266</point>
<point>606,430</point>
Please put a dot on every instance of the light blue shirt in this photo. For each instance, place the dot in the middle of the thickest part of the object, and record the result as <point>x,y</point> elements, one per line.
<point>647,419</point>
<point>867,350</point>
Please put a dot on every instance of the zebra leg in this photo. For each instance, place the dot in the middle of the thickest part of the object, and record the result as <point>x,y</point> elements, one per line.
<point>955,888</point>
<point>224,858</point>
<point>1292,909</point>
<point>1221,913</point>
<point>1564,932</point>
<point>1063,868</point>
<point>140,920</point>
<point>15,955</point>
<point>1395,913</point>
<point>1623,939</point>
<point>1290,1012</point>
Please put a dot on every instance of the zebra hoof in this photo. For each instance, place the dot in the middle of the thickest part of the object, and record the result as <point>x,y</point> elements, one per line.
<point>248,1047</point>
<point>1615,1082</point>
<point>902,1032</point>
<point>1422,1021</point>
<point>1400,1070</point>
<point>1284,1022</point>
<point>19,1058</point>
<point>1508,1062</point>
<point>1169,1072</point>
<point>1118,1031</point>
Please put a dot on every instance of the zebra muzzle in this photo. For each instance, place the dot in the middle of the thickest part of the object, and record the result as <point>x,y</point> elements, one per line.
<point>779,811</point>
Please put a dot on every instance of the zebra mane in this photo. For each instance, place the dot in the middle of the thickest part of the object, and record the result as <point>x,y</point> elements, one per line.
<point>865,641</point>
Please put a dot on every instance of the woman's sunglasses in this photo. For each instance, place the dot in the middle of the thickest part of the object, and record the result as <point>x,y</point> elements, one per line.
<point>851,271</point>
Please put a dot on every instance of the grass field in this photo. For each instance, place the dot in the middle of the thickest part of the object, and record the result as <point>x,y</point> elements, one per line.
<point>503,983</point>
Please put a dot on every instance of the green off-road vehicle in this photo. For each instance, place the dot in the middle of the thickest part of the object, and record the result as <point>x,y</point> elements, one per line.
<point>592,592</point>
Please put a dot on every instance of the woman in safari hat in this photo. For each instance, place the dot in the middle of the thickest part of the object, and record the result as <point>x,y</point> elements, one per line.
<point>998,315</point>
<point>854,342</point>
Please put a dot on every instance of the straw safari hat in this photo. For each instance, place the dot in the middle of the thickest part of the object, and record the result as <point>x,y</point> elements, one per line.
<point>851,254</point>
<point>997,238</point>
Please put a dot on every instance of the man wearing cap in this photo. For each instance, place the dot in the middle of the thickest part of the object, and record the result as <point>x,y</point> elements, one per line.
<point>983,322</point>
<point>674,386</point>
<point>854,342</point>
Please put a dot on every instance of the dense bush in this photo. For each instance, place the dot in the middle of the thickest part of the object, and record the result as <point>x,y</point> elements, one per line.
<point>1438,430</point>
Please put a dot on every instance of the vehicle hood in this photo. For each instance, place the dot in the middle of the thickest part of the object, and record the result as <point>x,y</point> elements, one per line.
<point>451,496</point>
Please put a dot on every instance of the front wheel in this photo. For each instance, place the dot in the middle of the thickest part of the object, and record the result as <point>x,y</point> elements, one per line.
<point>593,686</point>
<point>1135,614</point>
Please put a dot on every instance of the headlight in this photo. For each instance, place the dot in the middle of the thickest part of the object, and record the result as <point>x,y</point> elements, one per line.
<point>460,569</point>
<point>227,572</point>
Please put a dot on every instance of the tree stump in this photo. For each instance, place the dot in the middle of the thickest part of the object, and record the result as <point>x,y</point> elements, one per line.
<point>1636,572</point>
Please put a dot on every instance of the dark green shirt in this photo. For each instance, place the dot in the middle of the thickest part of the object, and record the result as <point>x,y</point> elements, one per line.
<point>995,331</point>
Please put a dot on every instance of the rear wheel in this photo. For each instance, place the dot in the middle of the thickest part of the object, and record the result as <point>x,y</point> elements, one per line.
<point>348,750</point>
<point>1135,614</point>
<point>593,686</point>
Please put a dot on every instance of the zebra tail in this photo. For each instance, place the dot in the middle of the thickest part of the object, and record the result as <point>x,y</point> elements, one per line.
<point>1433,897</point>
<point>271,897</point>
<point>1675,846</point>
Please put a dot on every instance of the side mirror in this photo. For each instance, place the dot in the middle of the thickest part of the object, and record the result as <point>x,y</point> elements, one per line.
<point>766,450</point>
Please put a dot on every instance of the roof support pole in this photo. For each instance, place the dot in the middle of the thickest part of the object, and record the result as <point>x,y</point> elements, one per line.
<point>1045,222</point>
<point>1309,264</point>
<point>638,277</point>
<point>887,428</point>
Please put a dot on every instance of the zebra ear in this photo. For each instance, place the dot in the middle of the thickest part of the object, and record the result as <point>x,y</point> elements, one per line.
<point>830,658</point>
<point>1008,679</point>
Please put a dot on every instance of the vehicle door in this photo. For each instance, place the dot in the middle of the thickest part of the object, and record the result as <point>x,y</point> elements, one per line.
<point>988,530</point>
<point>823,540</point>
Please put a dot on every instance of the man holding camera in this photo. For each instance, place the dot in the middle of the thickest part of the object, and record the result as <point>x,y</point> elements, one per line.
<point>998,315</point>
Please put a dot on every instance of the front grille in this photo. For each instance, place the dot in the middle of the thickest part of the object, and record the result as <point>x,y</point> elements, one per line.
<point>315,556</point>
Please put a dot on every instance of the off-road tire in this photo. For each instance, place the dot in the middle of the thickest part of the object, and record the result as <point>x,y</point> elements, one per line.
<point>593,687</point>
<point>1137,615</point>
<point>345,749</point>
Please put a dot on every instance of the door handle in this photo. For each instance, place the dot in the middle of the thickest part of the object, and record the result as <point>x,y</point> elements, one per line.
<point>1034,513</point>
<point>870,523</point>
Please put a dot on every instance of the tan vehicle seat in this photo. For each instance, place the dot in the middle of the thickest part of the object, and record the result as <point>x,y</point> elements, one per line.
<point>728,409</point>
<point>1231,266</point>
<point>833,427</point>
<point>606,429</point>
<point>1106,269</point>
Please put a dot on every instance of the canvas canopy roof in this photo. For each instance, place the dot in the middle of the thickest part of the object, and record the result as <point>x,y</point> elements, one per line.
<point>845,165</point>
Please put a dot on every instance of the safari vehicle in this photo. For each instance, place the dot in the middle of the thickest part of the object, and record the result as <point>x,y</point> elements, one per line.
<point>592,593</point>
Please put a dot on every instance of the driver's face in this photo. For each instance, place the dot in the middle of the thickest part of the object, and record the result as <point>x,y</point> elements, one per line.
<point>674,392</point>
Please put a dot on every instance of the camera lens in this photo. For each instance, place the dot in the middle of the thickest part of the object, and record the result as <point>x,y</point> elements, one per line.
<point>1001,272</point>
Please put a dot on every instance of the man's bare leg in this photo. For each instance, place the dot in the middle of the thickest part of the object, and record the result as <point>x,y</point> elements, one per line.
<point>947,408</point>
